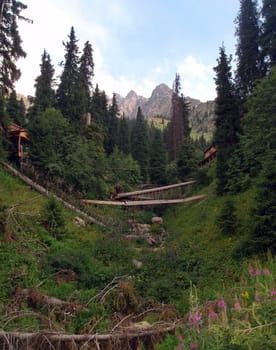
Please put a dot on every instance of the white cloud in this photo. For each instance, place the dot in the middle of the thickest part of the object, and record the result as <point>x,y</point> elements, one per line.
<point>122,84</point>
<point>49,30</point>
<point>197,79</point>
<point>52,23</point>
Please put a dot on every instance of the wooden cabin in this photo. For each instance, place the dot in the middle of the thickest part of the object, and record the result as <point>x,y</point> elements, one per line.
<point>209,155</point>
<point>18,138</point>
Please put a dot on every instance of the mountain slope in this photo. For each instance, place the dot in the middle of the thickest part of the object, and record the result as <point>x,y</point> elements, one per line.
<point>159,104</point>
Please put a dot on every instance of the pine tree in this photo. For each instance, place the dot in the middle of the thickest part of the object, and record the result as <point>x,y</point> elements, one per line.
<point>268,37</point>
<point>112,127</point>
<point>158,159</point>
<point>186,160</point>
<point>140,144</point>
<point>227,122</point>
<point>227,219</point>
<point>123,136</point>
<point>248,55</point>
<point>44,92</point>
<point>259,125</point>
<point>179,124</point>
<point>263,234</point>
<point>87,72</point>
<point>11,49</point>
<point>99,108</point>
<point>71,91</point>
<point>16,109</point>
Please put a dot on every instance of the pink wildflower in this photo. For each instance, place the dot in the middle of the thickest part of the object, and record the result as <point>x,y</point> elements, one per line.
<point>221,304</point>
<point>257,299</point>
<point>251,271</point>
<point>193,346</point>
<point>212,315</point>
<point>180,338</point>
<point>273,293</point>
<point>237,306</point>
<point>258,272</point>
<point>266,271</point>
<point>195,320</point>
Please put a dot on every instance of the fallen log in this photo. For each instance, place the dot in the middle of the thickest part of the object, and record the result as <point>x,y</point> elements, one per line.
<point>128,338</point>
<point>143,202</point>
<point>45,192</point>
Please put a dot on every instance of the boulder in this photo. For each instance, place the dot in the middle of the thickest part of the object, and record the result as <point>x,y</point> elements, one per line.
<point>157,220</point>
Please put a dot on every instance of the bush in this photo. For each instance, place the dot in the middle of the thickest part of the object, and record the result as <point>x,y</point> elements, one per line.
<point>73,259</point>
<point>227,220</point>
<point>242,319</point>
<point>53,218</point>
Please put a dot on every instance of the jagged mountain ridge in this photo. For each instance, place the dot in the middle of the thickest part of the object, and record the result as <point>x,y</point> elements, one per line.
<point>202,114</point>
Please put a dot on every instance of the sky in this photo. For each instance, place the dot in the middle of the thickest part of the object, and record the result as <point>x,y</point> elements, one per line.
<point>137,44</point>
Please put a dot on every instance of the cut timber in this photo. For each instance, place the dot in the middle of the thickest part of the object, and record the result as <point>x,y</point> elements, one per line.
<point>45,192</point>
<point>151,190</point>
<point>143,203</point>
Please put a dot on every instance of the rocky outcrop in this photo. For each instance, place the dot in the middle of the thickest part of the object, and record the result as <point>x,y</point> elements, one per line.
<point>159,104</point>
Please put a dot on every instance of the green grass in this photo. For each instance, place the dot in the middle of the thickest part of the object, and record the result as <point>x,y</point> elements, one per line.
<point>195,252</point>
<point>193,227</point>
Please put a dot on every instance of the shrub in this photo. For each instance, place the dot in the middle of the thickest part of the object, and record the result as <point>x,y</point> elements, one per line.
<point>227,220</point>
<point>74,259</point>
<point>244,318</point>
<point>53,218</point>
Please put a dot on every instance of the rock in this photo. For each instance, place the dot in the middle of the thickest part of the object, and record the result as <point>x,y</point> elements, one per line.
<point>79,221</point>
<point>157,220</point>
<point>137,263</point>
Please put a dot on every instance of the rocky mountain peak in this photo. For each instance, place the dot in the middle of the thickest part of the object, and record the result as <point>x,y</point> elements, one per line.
<point>131,94</point>
<point>159,104</point>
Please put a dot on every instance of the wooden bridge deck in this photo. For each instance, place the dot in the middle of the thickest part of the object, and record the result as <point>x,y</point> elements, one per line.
<point>152,190</point>
<point>142,202</point>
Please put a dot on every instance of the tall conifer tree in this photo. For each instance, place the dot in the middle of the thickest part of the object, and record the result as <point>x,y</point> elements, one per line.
<point>179,124</point>
<point>248,54</point>
<point>71,93</point>
<point>268,38</point>
<point>99,108</point>
<point>123,136</point>
<point>112,127</point>
<point>87,72</point>
<point>158,159</point>
<point>227,122</point>
<point>16,109</point>
<point>11,48</point>
<point>140,144</point>
<point>44,92</point>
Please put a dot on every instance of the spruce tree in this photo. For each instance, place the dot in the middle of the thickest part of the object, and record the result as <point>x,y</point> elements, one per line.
<point>44,91</point>
<point>16,109</point>
<point>248,55</point>
<point>268,37</point>
<point>87,72</point>
<point>263,233</point>
<point>158,159</point>
<point>11,49</point>
<point>71,91</point>
<point>140,144</point>
<point>227,121</point>
<point>99,108</point>
<point>179,124</point>
<point>186,160</point>
<point>123,136</point>
<point>259,125</point>
<point>112,126</point>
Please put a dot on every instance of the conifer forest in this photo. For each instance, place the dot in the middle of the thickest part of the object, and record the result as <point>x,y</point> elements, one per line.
<point>122,233</point>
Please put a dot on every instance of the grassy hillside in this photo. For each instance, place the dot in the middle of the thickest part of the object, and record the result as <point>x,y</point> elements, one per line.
<point>74,264</point>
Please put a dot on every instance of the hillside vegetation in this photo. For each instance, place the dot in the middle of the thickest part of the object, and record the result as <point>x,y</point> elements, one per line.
<point>53,279</point>
<point>199,275</point>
